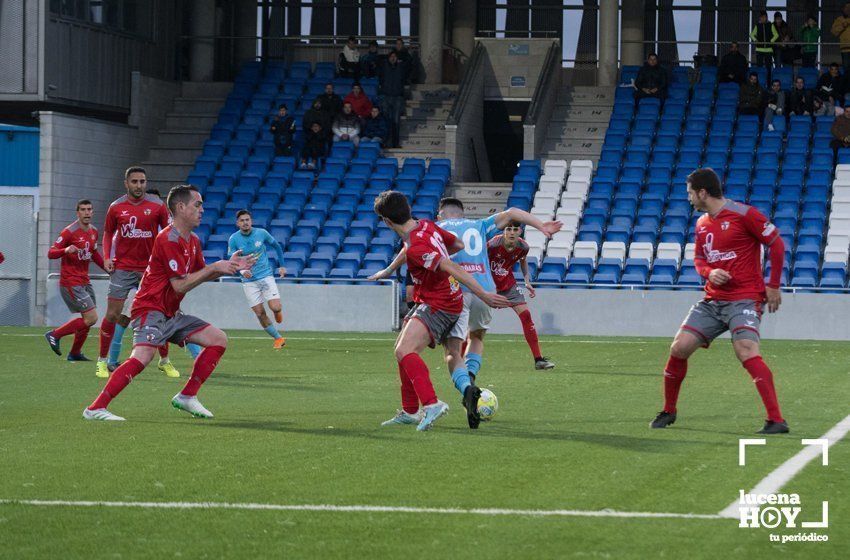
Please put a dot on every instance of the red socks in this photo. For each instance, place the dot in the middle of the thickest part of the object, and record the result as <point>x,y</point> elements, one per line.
<point>163,351</point>
<point>409,400</point>
<point>420,378</point>
<point>204,365</point>
<point>79,339</point>
<point>674,374</point>
<point>530,333</point>
<point>763,378</point>
<point>119,379</point>
<point>107,331</point>
<point>70,327</point>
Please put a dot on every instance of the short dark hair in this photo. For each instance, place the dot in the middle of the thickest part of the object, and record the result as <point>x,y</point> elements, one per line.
<point>179,194</point>
<point>763,13</point>
<point>650,55</point>
<point>777,14</point>
<point>706,179</point>
<point>393,206</point>
<point>373,42</point>
<point>834,64</point>
<point>154,192</point>
<point>357,84</point>
<point>514,223</point>
<point>83,202</point>
<point>134,169</point>
<point>242,212</point>
<point>351,38</point>
<point>282,106</point>
<point>329,84</point>
<point>775,82</point>
<point>450,201</point>
<point>753,74</point>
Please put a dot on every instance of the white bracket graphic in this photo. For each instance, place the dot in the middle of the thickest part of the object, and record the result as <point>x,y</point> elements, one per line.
<point>823,523</point>
<point>742,448</point>
<point>823,443</point>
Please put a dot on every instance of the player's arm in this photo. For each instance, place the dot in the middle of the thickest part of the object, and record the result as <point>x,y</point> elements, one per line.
<point>399,260</point>
<point>523,266</point>
<point>60,248</point>
<point>502,219</point>
<point>97,258</point>
<point>452,242</point>
<point>273,243</point>
<point>184,284</point>
<point>768,234</point>
<point>465,278</point>
<point>109,227</point>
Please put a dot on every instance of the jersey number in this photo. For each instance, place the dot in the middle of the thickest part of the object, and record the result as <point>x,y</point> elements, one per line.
<point>473,242</point>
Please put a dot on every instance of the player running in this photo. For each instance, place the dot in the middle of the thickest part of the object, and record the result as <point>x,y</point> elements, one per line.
<point>176,267</point>
<point>504,251</point>
<point>258,282</point>
<point>729,237</point>
<point>439,305</point>
<point>77,247</point>
<point>132,223</point>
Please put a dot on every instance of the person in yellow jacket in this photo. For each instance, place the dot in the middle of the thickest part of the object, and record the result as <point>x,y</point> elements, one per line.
<point>764,35</point>
<point>841,29</point>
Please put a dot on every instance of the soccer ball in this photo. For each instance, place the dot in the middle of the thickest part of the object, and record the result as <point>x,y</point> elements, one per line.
<point>488,404</point>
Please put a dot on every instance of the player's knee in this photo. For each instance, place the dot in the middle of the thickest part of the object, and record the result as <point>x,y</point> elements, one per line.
<point>478,335</point>
<point>745,349</point>
<point>681,349</point>
<point>400,352</point>
<point>90,319</point>
<point>219,338</point>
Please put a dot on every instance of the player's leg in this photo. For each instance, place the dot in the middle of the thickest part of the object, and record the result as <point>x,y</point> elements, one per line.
<point>409,413</point>
<point>76,354</point>
<point>114,306</point>
<point>78,300</point>
<point>120,378</point>
<point>462,380</point>
<point>480,316</point>
<point>277,310</point>
<point>214,343</point>
<point>118,336</point>
<point>414,337</point>
<point>530,333</point>
<point>744,323</point>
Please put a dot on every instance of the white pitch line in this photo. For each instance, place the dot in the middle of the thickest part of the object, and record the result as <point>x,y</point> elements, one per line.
<point>776,480</point>
<point>363,509</point>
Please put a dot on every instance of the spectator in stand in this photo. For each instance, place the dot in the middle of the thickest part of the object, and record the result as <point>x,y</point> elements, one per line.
<point>376,128</point>
<point>392,78</point>
<point>331,102</point>
<point>841,132</point>
<point>733,66</point>
<point>783,31</point>
<point>349,60</point>
<point>406,59</point>
<point>370,61</point>
<point>347,126</point>
<point>359,101</point>
<point>651,80</point>
<point>751,97</point>
<point>830,89</point>
<point>810,35</point>
<point>315,146</point>
<point>820,109</point>
<point>841,29</point>
<point>764,35</point>
<point>282,129</point>
<point>775,104</point>
<point>800,100</point>
<point>316,114</point>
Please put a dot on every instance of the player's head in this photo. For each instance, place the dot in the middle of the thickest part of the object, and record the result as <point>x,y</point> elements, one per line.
<point>703,186</point>
<point>84,211</point>
<point>450,208</point>
<point>244,221</point>
<point>154,192</point>
<point>393,208</point>
<point>512,232</point>
<point>135,181</point>
<point>186,205</point>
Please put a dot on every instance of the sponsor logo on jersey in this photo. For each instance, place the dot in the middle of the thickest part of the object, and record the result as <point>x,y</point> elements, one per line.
<point>173,265</point>
<point>84,252</point>
<point>713,255</point>
<point>147,211</point>
<point>59,239</point>
<point>130,231</point>
<point>768,229</point>
<point>473,268</point>
<point>724,226</point>
<point>498,268</point>
<point>258,243</point>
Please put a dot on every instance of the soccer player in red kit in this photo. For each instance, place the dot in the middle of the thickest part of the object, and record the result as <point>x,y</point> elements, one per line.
<point>504,251</point>
<point>439,304</point>
<point>77,247</point>
<point>176,267</point>
<point>132,223</point>
<point>729,238</point>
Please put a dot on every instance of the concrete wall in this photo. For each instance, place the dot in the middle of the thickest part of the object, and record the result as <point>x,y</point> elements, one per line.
<point>534,135</point>
<point>469,129</point>
<point>82,157</point>
<point>513,59</point>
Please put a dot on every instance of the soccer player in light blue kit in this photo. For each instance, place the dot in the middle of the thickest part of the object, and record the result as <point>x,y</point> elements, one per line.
<point>258,282</point>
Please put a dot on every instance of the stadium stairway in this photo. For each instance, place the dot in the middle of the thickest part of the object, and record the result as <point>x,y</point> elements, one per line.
<point>579,122</point>
<point>187,127</point>
<point>482,199</point>
<point>423,132</point>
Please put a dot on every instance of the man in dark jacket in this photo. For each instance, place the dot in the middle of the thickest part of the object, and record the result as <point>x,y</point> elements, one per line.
<point>317,114</point>
<point>406,58</point>
<point>315,146</point>
<point>800,100</point>
<point>841,132</point>
<point>751,97</point>
<point>392,78</point>
<point>376,128</point>
<point>764,35</point>
<point>282,128</point>
<point>369,62</point>
<point>830,88</point>
<point>331,102</point>
<point>733,66</point>
<point>651,80</point>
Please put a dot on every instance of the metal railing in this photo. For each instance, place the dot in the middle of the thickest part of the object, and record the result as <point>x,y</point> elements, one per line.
<point>465,88</point>
<point>547,72</point>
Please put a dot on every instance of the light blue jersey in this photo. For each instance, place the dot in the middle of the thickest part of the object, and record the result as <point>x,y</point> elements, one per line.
<point>473,258</point>
<point>255,243</point>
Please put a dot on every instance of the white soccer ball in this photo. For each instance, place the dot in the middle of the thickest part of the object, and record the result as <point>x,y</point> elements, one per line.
<point>488,404</point>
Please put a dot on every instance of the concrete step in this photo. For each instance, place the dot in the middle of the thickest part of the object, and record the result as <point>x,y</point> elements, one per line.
<point>482,191</point>
<point>430,130</point>
<point>440,112</point>
<point>580,148</point>
<point>173,155</point>
<point>181,139</point>
<point>205,90</point>
<point>425,144</point>
<point>481,209</point>
<point>595,96</point>
<point>201,122</point>
<point>403,153</point>
<point>194,106</point>
<point>439,92</point>
<point>580,113</point>
<point>575,131</point>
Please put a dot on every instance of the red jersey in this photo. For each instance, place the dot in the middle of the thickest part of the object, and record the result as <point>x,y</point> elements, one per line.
<point>130,230</point>
<point>75,267</point>
<point>426,248</point>
<point>502,261</point>
<point>732,241</point>
<point>173,256</point>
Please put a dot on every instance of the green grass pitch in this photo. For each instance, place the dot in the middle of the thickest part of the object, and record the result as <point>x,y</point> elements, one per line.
<point>302,426</point>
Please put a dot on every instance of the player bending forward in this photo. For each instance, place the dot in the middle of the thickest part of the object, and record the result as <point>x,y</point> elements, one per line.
<point>439,304</point>
<point>77,247</point>
<point>729,237</point>
<point>504,252</point>
<point>176,266</point>
<point>258,283</point>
